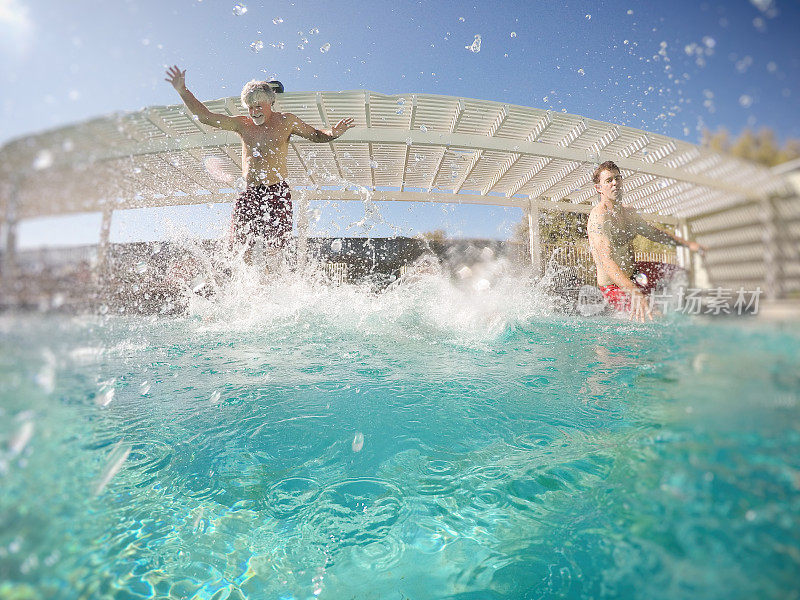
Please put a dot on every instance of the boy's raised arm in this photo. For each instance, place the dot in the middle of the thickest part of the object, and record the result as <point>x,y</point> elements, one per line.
<point>177,79</point>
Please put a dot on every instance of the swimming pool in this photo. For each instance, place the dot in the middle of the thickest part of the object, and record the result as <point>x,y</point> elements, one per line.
<point>307,441</point>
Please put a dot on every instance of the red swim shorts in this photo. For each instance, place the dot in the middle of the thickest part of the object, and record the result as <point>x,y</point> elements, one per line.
<point>264,211</point>
<point>616,298</point>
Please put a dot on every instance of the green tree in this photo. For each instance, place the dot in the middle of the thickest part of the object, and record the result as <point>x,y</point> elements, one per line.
<point>759,146</point>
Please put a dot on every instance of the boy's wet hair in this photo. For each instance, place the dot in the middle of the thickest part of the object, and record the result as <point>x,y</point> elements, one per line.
<point>609,165</point>
<point>255,91</point>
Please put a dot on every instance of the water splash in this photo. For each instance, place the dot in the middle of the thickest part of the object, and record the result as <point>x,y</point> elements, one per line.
<point>116,458</point>
<point>475,46</point>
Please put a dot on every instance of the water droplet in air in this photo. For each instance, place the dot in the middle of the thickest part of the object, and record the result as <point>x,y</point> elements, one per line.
<point>373,164</point>
<point>215,397</point>
<point>476,44</point>
<point>423,129</point>
<point>630,12</point>
<point>399,111</point>
<point>745,101</point>
<point>313,31</point>
<point>277,20</point>
<point>513,34</point>
<point>358,442</point>
<point>239,9</point>
<point>141,267</point>
<point>325,47</point>
<point>461,19</point>
<point>336,246</point>
<point>144,388</point>
<point>401,101</point>
<point>257,46</point>
<point>588,17</point>
<point>43,160</point>
<point>581,72</point>
<point>640,279</point>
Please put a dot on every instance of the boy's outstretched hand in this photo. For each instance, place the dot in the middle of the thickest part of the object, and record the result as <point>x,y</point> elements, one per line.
<point>176,77</point>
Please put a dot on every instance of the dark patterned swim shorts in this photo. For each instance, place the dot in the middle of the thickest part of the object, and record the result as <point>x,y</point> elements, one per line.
<point>264,211</point>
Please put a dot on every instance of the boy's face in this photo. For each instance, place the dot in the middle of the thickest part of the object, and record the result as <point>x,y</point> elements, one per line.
<point>610,185</point>
<point>259,112</point>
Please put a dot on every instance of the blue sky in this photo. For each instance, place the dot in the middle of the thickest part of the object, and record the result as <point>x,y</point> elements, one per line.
<point>671,68</point>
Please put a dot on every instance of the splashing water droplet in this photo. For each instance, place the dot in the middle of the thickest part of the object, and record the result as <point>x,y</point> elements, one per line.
<point>640,279</point>
<point>325,47</point>
<point>144,388</point>
<point>630,11</point>
<point>257,46</point>
<point>358,442</point>
<point>373,164</point>
<point>581,72</point>
<point>215,397</point>
<point>513,34</point>
<point>475,47</point>
<point>239,9</point>
<point>141,267</point>
<point>44,160</point>
<point>588,17</point>
<point>336,246</point>
<point>277,20</point>
<point>313,31</point>
<point>423,129</point>
<point>401,101</point>
<point>461,19</point>
<point>399,111</point>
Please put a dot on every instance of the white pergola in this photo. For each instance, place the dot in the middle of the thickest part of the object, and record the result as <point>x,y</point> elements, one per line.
<point>410,147</point>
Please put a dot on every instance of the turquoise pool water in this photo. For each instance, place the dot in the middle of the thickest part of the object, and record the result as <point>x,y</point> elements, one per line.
<point>422,443</point>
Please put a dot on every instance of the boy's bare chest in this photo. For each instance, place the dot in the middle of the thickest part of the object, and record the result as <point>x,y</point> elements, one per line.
<point>265,137</point>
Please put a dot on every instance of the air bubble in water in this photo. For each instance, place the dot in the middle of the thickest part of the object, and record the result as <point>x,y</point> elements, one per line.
<point>358,442</point>
<point>277,20</point>
<point>105,396</point>
<point>117,457</point>
<point>325,47</point>
<point>21,438</point>
<point>239,9</point>
<point>257,46</point>
<point>336,246</point>
<point>476,44</point>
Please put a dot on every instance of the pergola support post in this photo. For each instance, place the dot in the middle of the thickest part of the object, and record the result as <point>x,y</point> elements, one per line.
<point>773,267</point>
<point>103,248</point>
<point>302,228</point>
<point>534,237</point>
<point>8,266</point>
